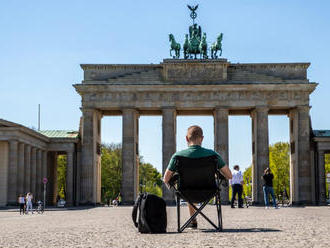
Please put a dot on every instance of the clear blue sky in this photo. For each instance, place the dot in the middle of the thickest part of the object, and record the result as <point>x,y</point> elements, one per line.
<point>43,42</point>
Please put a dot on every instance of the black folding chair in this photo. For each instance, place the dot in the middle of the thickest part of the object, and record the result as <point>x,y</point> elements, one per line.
<point>197,181</point>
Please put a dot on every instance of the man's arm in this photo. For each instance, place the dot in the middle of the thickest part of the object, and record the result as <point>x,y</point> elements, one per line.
<point>226,172</point>
<point>241,178</point>
<point>167,176</point>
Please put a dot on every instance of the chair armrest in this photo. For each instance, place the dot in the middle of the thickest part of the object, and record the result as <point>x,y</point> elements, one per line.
<point>174,179</point>
<point>222,180</point>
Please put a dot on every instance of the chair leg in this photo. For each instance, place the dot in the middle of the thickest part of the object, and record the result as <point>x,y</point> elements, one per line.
<point>218,203</point>
<point>199,211</point>
<point>178,211</point>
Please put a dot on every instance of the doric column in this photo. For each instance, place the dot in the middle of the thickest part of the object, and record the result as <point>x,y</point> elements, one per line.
<point>12,172</point>
<point>44,164</point>
<point>77,174</point>
<point>169,146</point>
<point>304,159</point>
<point>44,172</point>
<point>293,115</point>
<point>129,188</point>
<point>27,166</point>
<point>221,143</point>
<point>260,151</point>
<point>91,151</point>
<point>52,178</point>
<point>300,166</point>
<point>21,168</point>
<point>33,171</point>
<point>69,178</point>
<point>38,175</point>
<point>4,163</point>
<point>321,177</point>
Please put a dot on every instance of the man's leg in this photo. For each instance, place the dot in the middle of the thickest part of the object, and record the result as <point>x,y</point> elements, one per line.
<point>264,188</point>
<point>271,190</point>
<point>234,191</point>
<point>240,191</point>
<point>193,223</point>
<point>192,211</point>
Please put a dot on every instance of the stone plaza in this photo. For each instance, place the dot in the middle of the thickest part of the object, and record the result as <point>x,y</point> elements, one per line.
<point>113,227</point>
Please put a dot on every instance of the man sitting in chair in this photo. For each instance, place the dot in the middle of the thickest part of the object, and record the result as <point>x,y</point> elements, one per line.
<point>194,140</point>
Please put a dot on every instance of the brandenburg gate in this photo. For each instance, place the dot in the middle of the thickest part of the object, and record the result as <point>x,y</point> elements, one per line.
<point>190,86</point>
<point>196,87</point>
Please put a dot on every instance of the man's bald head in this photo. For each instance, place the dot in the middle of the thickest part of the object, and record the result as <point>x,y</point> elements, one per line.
<point>195,135</point>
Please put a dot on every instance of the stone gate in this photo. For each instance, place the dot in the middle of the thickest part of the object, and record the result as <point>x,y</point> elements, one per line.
<point>196,87</point>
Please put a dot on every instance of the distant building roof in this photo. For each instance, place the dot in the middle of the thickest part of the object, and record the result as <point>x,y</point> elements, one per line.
<point>321,133</point>
<point>60,133</point>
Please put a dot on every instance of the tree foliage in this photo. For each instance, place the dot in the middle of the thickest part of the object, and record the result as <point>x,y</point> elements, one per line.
<point>247,178</point>
<point>111,172</point>
<point>279,163</point>
<point>61,176</point>
<point>327,170</point>
<point>150,180</point>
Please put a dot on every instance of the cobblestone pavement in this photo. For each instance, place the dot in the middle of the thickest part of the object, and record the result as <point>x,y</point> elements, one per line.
<point>113,227</point>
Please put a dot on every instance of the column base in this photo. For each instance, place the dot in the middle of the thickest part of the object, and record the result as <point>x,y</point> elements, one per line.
<point>127,203</point>
<point>170,203</point>
<point>258,204</point>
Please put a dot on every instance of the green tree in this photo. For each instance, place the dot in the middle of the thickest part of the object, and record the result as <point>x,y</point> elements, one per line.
<point>61,176</point>
<point>150,180</point>
<point>327,170</point>
<point>111,173</point>
<point>247,177</point>
<point>279,163</point>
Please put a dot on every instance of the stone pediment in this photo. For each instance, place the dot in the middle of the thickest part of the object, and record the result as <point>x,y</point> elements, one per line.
<point>199,71</point>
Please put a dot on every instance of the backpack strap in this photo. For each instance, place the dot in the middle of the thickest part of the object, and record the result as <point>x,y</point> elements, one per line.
<point>135,209</point>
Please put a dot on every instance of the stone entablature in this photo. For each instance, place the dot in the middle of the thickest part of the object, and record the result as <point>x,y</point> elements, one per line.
<point>178,71</point>
<point>187,97</point>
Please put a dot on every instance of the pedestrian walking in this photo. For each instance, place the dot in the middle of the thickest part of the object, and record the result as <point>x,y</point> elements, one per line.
<point>29,205</point>
<point>268,188</point>
<point>237,187</point>
<point>21,202</point>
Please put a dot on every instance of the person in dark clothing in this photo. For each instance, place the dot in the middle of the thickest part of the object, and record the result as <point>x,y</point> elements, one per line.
<point>268,187</point>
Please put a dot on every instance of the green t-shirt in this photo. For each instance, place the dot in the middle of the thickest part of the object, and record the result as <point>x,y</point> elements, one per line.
<point>195,151</point>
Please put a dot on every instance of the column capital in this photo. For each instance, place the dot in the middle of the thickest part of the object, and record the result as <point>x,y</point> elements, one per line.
<point>169,110</point>
<point>129,110</point>
<point>303,108</point>
<point>259,109</point>
<point>222,107</point>
<point>85,110</point>
<point>169,107</point>
<point>13,141</point>
<point>221,110</point>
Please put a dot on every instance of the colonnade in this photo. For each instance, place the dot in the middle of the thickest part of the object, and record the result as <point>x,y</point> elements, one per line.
<point>71,178</point>
<point>27,165</point>
<point>300,168</point>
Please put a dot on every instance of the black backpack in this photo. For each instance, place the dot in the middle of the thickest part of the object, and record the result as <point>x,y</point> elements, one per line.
<point>152,214</point>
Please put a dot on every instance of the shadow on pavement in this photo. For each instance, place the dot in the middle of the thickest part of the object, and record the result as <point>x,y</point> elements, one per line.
<point>244,230</point>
